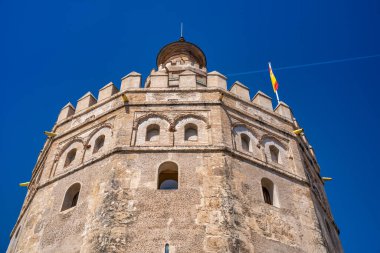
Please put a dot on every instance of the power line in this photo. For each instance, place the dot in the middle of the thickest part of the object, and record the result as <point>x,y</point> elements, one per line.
<point>307,65</point>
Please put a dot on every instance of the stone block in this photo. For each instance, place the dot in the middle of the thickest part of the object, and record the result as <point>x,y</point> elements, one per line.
<point>131,81</point>
<point>86,101</point>
<point>241,90</point>
<point>66,112</point>
<point>216,80</point>
<point>187,79</point>
<point>263,100</point>
<point>159,80</point>
<point>284,110</point>
<point>107,91</point>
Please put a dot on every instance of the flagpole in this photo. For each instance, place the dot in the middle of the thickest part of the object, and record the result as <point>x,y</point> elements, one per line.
<point>274,82</point>
<point>278,99</point>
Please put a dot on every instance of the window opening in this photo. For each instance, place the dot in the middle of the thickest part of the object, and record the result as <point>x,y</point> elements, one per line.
<point>71,197</point>
<point>245,142</point>
<point>168,176</point>
<point>70,157</point>
<point>99,143</point>
<point>191,132</point>
<point>274,153</point>
<point>153,133</point>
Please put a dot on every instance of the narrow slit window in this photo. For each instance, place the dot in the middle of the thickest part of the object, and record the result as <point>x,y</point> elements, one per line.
<point>70,157</point>
<point>99,143</point>
<point>71,197</point>
<point>245,142</point>
<point>167,248</point>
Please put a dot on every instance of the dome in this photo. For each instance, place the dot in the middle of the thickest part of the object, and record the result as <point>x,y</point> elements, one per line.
<point>181,47</point>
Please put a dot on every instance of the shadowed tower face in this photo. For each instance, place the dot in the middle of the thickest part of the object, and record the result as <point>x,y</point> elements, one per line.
<point>176,163</point>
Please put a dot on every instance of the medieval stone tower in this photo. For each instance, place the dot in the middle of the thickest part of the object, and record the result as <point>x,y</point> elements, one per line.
<point>180,165</point>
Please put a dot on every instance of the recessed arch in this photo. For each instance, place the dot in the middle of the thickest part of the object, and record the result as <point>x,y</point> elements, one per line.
<point>275,151</point>
<point>153,131</point>
<point>245,140</point>
<point>191,115</point>
<point>191,130</point>
<point>148,116</point>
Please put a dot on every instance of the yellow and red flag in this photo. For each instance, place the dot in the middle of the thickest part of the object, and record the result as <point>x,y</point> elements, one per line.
<point>273,79</point>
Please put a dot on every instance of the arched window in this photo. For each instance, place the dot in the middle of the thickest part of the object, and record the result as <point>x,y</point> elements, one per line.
<point>268,192</point>
<point>168,176</point>
<point>245,142</point>
<point>274,153</point>
<point>71,197</point>
<point>99,143</point>
<point>167,248</point>
<point>153,133</point>
<point>191,132</point>
<point>70,157</point>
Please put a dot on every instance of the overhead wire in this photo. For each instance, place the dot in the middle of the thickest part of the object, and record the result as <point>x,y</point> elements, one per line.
<point>307,65</point>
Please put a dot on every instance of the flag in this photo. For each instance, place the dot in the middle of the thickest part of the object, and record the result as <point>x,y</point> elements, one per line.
<point>273,79</point>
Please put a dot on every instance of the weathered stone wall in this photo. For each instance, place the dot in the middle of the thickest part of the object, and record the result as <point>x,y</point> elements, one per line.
<point>219,206</point>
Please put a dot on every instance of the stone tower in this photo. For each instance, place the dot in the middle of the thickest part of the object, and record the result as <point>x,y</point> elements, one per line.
<point>181,165</point>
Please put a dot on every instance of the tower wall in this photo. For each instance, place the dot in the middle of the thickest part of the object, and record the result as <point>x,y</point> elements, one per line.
<point>240,148</point>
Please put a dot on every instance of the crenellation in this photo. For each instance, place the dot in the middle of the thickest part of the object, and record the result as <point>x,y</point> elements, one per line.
<point>216,80</point>
<point>263,100</point>
<point>131,81</point>
<point>107,91</point>
<point>284,110</point>
<point>240,90</point>
<point>158,79</point>
<point>86,101</point>
<point>67,111</point>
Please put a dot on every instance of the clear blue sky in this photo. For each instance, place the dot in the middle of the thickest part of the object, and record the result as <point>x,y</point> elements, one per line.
<point>53,52</point>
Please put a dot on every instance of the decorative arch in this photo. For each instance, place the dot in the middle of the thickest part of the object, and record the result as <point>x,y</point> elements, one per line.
<point>68,144</point>
<point>191,115</point>
<point>239,124</point>
<point>143,124</point>
<point>275,151</point>
<point>96,130</point>
<point>198,124</point>
<point>145,117</point>
<point>104,129</point>
<point>266,137</point>
<point>61,163</point>
<point>245,139</point>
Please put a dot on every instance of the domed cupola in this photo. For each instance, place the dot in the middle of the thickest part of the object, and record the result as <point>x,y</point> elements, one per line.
<point>181,51</point>
<point>176,61</point>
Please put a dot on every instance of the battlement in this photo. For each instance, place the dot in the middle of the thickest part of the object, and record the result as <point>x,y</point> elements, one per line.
<point>187,81</point>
